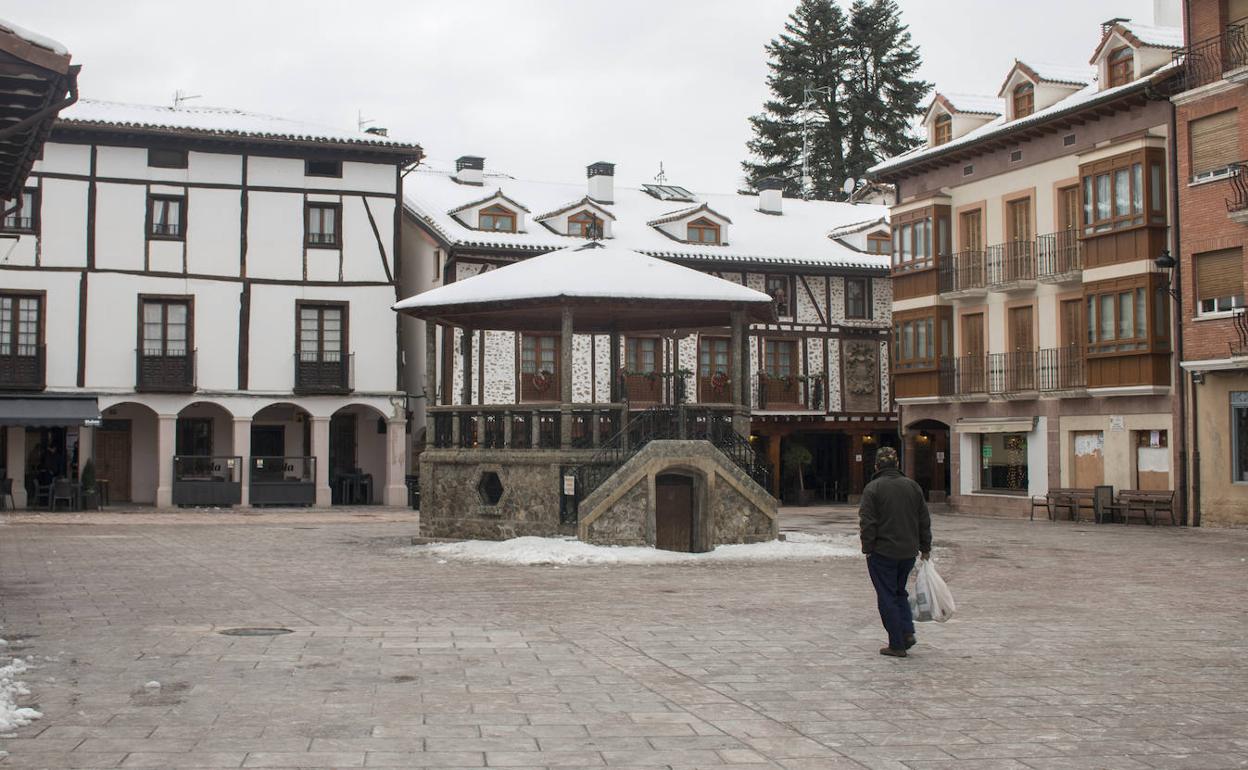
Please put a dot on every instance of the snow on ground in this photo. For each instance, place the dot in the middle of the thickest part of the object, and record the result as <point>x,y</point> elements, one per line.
<point>11,715</point>
<point>571,552</point>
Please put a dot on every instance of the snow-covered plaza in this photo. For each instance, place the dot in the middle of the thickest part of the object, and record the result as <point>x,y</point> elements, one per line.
<point>1065,652</point>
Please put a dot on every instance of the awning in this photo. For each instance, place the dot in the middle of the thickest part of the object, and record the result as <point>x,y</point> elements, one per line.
<point>48,411</point>
<point>995,424</point>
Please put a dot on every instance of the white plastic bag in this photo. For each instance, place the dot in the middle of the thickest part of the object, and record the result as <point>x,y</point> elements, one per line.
<point>931,599</point>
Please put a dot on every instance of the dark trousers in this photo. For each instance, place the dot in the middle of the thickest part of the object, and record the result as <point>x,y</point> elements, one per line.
<point>889,578</point>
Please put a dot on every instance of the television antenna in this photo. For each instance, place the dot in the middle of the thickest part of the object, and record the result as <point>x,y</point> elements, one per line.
<point>362,121</point>
<point>808,101</point>
<point>180,96</point>
<point>661,177</point>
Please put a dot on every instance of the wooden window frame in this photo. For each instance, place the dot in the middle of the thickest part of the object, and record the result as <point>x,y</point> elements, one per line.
<point>702,225</point>
<point>1216,172</point>
<point>525,337</point>
<point>1023,99</point>
<point>794,358</point>
<point>791,309</point>
<point>632,355</point>
<point>1155,335</point>
<point>33,227</point>
<point>497,211</point>
<point>934,224</point>
<point>942,129</point>
<point>163,157</point>
<point>41,297</point>
<point>1118,74</point>
<point>866,297</point>
<point>879,244</point>
<point>344,333</point>
<point>332,169</point>
<point>165,300</point>
<point>585,220</point>
<point>939,338</point>
<point>1236,300</point>
<point>308,241</point>
<point>1151,195</point>
<point>155,198</point>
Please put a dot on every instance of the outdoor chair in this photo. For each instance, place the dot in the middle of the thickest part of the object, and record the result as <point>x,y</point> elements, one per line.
<point>41,495</point>
<point>62,489</point>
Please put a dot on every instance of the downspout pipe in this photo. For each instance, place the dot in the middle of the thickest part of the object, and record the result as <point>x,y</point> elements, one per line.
<point>1190,512</point>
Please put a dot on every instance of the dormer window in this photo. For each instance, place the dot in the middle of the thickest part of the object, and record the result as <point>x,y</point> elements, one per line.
<point>942,130</point>
<point>703,230</point>
<point>497,218</point>
<point>1024,100</point>
<point>1121,64</point>
<point>584,225</point>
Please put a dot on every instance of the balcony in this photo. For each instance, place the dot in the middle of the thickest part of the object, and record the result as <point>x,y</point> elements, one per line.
<point>790,393</point>
<point>158,371</point>
<point>1012,375</point>
<point>324,372</point>
<point>1059,257</point>
<point>1213,59</point>
<point>23,367</point>
<point>1239,345</point>
<point>1011,266</point>
<point>962,275</point>
<point>1237,204</point>
<point>1063,371</point>
<point>964,378</point>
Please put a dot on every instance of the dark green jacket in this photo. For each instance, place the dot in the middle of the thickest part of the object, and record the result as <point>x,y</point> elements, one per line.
<point>893,518</point>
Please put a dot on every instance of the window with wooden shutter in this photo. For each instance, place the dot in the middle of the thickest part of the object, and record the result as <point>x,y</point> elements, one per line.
<point>1220,280</point>
<point>1215,143</point>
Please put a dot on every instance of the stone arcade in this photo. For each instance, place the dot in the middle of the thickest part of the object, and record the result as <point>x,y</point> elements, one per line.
<point>680,477</point>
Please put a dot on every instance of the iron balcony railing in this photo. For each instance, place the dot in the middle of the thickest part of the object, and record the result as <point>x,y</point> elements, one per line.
<point>1209,60</point>
<point>17,224</point>
<point>23,367</point>
<point>1059,253</point>
<point>323,239</point>
<point>1011,262</point>
<point>1013,372</point>
<point>961,271</point>
<point>1239,189</point>
<point>164,370</point>
<point>963,375</point>
<point>166,229</point>
<point>324,372</point>
<point>1063,368</point>
<point>1239,346</point>
<point>790,391</point>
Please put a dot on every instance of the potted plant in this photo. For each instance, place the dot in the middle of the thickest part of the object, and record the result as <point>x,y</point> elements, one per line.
<point>796,458</point>
<point>90,495</point>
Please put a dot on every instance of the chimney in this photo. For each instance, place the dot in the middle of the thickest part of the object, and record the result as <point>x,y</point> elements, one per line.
<point>469,169</point>
<point>1167,13</point>
<point>601,182</point>
<point>770,194</point>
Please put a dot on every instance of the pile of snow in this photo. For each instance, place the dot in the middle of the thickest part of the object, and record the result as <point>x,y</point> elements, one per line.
<point>13,716</point>
<point>571,552</point>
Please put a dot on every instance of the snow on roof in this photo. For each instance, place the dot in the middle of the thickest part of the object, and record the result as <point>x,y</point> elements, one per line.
<point>217,121</point>
<point>496,195</point>
<point>586,201</point>
<point>34,38</point>
<point>1062,73</point>
<point>973,103</point>
<point>1089,94</point>
<point>587,271</point>
<point>688,211</point>
<point>798,237</point>
<point>1156,37</point>
<point>857,227</point>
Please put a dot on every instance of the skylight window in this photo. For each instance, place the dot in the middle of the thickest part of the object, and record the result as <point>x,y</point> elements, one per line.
<point>668,192</point>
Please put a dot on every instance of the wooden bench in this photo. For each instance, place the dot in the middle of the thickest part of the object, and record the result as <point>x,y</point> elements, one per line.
<point>1072,499</point>
<point>1150,502</point>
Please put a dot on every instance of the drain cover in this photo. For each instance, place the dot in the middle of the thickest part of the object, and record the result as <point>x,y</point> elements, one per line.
<point>255,631</point>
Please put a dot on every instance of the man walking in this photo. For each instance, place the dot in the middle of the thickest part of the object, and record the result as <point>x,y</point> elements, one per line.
<point>895,527</point>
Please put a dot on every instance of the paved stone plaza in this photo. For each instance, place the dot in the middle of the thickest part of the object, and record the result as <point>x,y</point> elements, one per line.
<point>1076,646</point>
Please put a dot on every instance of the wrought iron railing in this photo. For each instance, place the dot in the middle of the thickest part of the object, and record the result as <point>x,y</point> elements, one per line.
<point>23,367</point>
<point>1013,372</point>
<point>1059,253</point>
<point>1239,347</point>
<point>1239,189</point>
<point>1063,368</point>
<point>515,426</point>
<point>963,375</point>
<point>1207,61</point>
<point>961,271</point>
<point>1009,262</point>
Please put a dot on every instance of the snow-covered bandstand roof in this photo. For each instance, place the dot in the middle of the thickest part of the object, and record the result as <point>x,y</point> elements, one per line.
<point>608,286</point>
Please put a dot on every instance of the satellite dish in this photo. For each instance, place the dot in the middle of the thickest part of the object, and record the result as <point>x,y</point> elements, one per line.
<point>848,187</point>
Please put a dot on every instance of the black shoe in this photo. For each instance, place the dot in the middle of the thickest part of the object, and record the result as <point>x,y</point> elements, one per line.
<point>910,641</point>
<point>893,653</point>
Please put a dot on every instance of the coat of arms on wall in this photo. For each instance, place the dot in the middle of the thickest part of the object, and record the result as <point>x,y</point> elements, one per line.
<point>861,363</point>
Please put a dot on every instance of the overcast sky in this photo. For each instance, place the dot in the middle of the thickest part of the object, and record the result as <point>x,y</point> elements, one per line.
<point>541,88</point>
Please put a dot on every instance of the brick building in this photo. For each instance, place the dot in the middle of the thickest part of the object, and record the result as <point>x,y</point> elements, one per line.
<point>1213,210</point>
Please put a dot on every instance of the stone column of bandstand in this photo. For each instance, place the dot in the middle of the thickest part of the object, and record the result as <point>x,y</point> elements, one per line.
<point>740,386</point>
<point>166,442</point>
<point>320,450</point>
<point>565,380</point>
<point>242,448</point>
<point>396,459</point>
<point>431,377</point>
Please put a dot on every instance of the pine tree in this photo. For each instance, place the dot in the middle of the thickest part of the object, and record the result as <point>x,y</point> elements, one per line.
<point>812,53</point>
<point>883,95</point>
<point>858,72</point>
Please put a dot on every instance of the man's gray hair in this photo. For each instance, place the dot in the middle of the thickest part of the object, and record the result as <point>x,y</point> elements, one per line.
<point>886,458</point>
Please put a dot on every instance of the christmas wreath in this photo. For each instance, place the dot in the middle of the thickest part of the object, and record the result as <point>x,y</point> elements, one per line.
<point>542,381</point>
<point>719,382</point>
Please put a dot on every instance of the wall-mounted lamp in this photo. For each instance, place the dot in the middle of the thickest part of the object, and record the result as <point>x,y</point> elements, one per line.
<point>1166,262</point>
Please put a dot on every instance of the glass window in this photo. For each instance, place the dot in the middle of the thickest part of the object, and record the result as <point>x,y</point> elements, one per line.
<point>1126,315</point>
<point>1087,201</point>
<point>537,354</point>
<point>856,297</point>
<point>1091,320</point>
<point>703,231</point>
<point>1107,317</point>
<point>584,224</point>
<point>907,243</point>
<point>166,218</point>
<point>907,340</point>
<point>778,290</point>
<point>713,356</point>
<point>320,333</point>
<point>1239,440</point>
<point>497,219</point>
<point>1102,196</point>
<point>1121,64</point>
<point>20,318</point>
<point>641,355</point>
<point>780,357</point>
<point>1137,189</point>
<point>323,224</point>
<point>1122,193</point>
<point>165,325</point>
<point>22,218</point>
<point>1003,462</point>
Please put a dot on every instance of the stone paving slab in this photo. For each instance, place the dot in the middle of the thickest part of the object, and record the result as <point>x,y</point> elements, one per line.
<point>1075,646</point>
